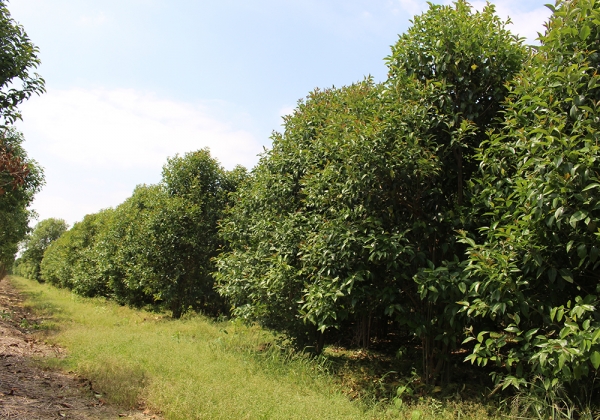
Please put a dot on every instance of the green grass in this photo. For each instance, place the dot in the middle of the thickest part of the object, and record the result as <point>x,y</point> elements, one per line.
<point>195,368</point>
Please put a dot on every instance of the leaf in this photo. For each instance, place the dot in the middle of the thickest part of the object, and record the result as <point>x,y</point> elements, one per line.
<point>595,359</point>
<point>569,245</point>
<point>582,251</point>
<point>584,32</point>
<point>590,186</point>
<point>573,112</point>
<point>577,216</point>
<point>552,274</point>
<point>566,275</point>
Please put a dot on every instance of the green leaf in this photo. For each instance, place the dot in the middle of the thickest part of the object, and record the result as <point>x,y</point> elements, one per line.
<point>577,216</point>
<point>584,32</point>
<point>552,274</point>
<point>590,186</point>
<point>573,112</point>
<point>566,275</point>
<point>595,359</point>
<point>570,245</point>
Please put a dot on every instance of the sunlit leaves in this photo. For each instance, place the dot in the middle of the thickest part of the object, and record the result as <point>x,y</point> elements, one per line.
<point>539,180</point>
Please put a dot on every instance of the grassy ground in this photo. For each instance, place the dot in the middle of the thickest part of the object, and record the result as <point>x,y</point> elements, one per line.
<point>194,368</point>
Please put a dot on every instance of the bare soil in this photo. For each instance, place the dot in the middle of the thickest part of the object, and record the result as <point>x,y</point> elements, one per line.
<point>28,391</point>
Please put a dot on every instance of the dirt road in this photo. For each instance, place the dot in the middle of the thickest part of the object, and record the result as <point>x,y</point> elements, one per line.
<point>29,392</point>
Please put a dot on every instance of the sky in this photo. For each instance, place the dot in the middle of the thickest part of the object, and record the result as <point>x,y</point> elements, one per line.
<point>133,82</point>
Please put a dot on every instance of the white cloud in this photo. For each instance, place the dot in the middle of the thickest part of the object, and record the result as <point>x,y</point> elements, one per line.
<point>526,20</point>
<point>127,129</point>
<point>95,20</point>
<point>96,145</point>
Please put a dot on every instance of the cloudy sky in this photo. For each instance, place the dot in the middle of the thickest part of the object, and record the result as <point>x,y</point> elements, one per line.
<point>132,82</point>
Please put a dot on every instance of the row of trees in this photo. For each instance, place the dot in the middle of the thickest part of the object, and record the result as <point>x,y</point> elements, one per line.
<point>454,203</point>
<point>156,248</point>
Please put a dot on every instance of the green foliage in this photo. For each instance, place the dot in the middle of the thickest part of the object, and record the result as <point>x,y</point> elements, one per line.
<point>69,261</point>
<point>35,244</point>
<point>534,273</point>
<point>460,197</point>
<point>182,233</point>
<point>156,248</point>
<point>301,233</point>
<point>18,58</point>
<point>462,60</point>
<point>20,177</point>
<point>351,217</point>
<point>14,214</point>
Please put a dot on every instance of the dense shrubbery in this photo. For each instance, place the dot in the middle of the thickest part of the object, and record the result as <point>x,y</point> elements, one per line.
<point>454,203</point>
<point>351,217</point>
<point>533,276</point>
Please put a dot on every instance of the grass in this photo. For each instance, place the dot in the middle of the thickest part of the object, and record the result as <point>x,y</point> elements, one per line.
<point>194,368</point>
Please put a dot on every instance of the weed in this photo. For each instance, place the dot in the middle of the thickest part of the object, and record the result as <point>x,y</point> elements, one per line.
<point>545,399</point>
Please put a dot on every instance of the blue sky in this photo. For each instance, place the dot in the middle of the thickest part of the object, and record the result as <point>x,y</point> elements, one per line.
<point>132,82</point>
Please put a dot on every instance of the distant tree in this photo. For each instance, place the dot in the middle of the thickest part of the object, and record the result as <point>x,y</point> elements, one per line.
<point>36,243</point>
<point>157,247</point>
<point>67,263</point>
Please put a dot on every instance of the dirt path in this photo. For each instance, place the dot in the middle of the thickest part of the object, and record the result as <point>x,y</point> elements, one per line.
<point>29,392</point>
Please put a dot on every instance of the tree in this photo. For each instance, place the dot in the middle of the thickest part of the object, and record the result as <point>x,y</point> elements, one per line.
<point>20,177</point>
<point>68,261</point>
<point>462,59</point>
<point>182,232</point>
<point>36,243</point>
<point>351,217</point>
<point>534,272</point>
<point>156,248</point>
<point>14,214</point>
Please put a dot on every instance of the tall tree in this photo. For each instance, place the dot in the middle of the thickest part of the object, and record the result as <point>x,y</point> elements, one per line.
<point>534,272</point>
<point>352,214</point>
<point>20,177</point>
<point>182,232</point>
<point>14,214</point>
